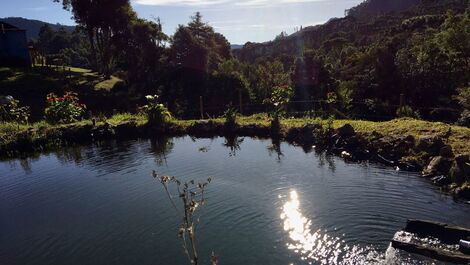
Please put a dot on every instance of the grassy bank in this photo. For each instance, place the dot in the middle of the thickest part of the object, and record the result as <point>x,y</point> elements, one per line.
<point>459,137</point>
<point>393,148</point>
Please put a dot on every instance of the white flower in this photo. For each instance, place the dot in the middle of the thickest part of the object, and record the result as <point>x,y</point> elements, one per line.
<point>149,97</point>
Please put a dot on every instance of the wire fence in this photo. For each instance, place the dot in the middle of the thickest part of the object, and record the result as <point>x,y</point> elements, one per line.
<point>371,110</point>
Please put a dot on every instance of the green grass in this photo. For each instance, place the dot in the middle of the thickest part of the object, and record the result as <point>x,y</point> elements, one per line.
<point>125,117</point>
<point>459,138</point>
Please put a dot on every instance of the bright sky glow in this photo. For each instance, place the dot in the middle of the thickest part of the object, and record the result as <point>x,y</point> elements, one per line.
<point>239,20</point>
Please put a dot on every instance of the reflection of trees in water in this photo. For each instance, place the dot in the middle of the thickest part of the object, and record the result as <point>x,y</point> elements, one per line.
<point>275,147</point>
<point>25,163</point>
<point>233,143</point>
<point>326,158</point>
<point>70,155</point>
<point>107,156</point>
<point>161,147</point>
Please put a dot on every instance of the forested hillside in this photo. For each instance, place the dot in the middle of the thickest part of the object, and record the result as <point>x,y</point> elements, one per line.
<point>384,59</point>
<point>380,50</point>
<point>33,27</point>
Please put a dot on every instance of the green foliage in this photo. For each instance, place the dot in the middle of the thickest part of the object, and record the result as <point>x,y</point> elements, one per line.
<point>280,98</point>
<point>345,94</point>
<point>66,109</point>
<point>323,132</point>
<point>408,112</point>
<point>463,98</point>
<point>11,111</point>
<point>231,117</point>
<point>198,47</point>
<point>157,114</point>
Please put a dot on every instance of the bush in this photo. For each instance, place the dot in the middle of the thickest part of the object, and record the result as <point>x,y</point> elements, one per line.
<point>157,114</point>
<point>464,119</point>
<point>231,117</point>
<point>280,98</point>
<point>64,109</point>
<point>464,100</point>
<point>10,110</point>
<point>407,111</point>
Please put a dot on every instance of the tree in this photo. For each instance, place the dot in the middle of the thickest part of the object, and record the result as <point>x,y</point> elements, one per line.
<point>103,21</point>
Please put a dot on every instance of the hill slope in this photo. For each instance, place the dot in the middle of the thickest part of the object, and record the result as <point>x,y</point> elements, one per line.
<point>32,27</point>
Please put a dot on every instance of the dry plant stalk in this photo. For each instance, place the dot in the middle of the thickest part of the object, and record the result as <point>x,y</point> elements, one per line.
<point>191,195</point>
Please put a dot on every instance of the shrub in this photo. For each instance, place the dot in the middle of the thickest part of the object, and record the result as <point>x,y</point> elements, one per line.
<point>407,111</point>
<point>66,109</point>
<point>279,100</point>
<point>464,119</point>
<point>157,114</point>
<point>10,110</point>
<point>463,98</point>
<point>231,117</point>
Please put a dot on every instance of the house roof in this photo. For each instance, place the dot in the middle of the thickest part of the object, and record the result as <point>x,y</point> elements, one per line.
<point>8,27</point>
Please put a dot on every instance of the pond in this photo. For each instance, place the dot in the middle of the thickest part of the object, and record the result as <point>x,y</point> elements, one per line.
<point>268,203</point>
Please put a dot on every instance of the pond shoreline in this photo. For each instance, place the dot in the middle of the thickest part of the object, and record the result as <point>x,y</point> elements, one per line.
<point>430,155</point>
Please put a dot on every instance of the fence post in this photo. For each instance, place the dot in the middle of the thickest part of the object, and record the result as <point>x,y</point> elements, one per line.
<point>240,101</point>
<point>402,101</point>
<point>201,108</point>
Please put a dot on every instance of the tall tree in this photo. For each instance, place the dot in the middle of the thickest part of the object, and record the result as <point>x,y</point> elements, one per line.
<point>103,20</point>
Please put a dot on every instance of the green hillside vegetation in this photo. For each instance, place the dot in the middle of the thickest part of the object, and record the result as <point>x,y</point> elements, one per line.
<point>33,27</point>
<point>372,56</point>
<point>383,60</point>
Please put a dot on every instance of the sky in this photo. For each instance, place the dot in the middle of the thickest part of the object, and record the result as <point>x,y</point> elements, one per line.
<point>239,20</point>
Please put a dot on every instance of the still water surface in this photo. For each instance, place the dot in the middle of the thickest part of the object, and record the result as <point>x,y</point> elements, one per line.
<point>267,204</point>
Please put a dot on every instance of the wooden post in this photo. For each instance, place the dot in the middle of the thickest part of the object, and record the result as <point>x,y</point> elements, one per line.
<point>402,100</point>
<point>240,100</point>
<point>201,108</point>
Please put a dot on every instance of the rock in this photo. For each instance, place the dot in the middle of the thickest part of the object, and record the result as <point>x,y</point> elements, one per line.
<point>446,151</point>
<point>346,155</point>
<point>461,159</point>
<point>438,166</point>
<point>430,144</point>
<point>463,191</point>
<point>441,180</point>
<point>103,132</point>
<point>202,122</point>
<point>460,170</point>
<point>126,129</point>
<point>346,131</point>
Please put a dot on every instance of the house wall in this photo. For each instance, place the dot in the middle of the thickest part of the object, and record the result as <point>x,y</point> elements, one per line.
<point>14,48</point>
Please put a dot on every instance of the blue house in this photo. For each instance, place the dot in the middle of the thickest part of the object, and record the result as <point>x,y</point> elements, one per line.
<point>13,46</point>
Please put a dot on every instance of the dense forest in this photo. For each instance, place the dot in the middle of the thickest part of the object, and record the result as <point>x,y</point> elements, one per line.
<point>382,60</point>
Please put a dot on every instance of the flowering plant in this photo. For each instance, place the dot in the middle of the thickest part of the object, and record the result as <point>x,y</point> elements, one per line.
<point>66,109</point>
<point>156,112</point>
<point>10,110</point>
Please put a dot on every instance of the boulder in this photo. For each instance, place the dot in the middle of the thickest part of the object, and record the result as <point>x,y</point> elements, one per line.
<point>463,191</point>
<point>460,170</point>
<point>438,166</point>
<point>430,144</point>
<point>441,180</point>
<point>446,151</point>
<point>346,131</point>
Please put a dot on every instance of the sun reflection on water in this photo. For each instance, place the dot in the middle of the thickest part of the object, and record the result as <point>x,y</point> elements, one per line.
<point>317,247</point>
